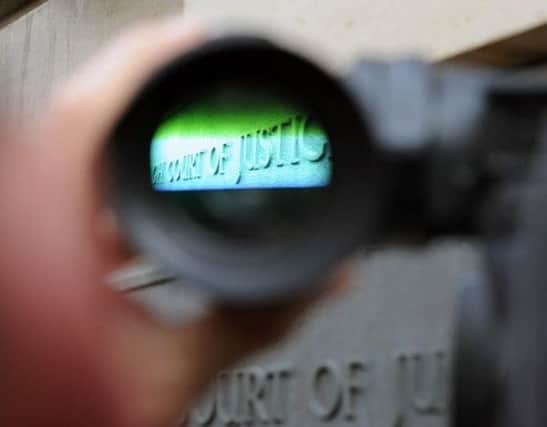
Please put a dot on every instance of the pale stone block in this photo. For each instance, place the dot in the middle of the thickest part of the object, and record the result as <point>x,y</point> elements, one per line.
<point>347,28</point>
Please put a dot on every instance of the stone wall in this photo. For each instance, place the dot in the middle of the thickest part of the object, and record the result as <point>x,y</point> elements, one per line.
<point>46,44</point>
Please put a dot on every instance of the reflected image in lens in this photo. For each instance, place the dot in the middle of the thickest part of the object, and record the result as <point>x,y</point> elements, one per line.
<point>241,161</point>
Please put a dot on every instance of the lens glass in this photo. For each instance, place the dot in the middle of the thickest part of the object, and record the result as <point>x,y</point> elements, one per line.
<point>242,161</point>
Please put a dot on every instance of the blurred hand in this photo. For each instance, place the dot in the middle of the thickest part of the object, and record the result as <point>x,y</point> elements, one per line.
<point>72,351</point>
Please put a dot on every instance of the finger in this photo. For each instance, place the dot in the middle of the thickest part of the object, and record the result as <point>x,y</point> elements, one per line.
<point>97,95</point>
<point>56,321</point>
<point>85,109</point>
<point>53,316</point>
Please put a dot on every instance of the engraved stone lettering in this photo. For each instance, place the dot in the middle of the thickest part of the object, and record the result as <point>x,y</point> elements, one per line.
<point>283,132</point>
<point>248,152</point>
<point>205,413</point>
<point>326,391</point>
<point>265,149</point>
<point>294,141</point>
<point>354,386</point>
<point>279,380</point>
<point>253,396</point>
<point>224,149</point>
<point>314,144</point>
<point>228,392</point>
<point>214,161</point>
<point>336,391</point>
<point>421,383</point>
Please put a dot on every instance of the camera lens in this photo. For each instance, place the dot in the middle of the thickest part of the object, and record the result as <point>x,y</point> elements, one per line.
<point>241,161</point>
<point>245,170</point>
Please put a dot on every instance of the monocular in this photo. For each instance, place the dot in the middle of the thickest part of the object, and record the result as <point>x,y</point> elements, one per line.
<point>249,171</point>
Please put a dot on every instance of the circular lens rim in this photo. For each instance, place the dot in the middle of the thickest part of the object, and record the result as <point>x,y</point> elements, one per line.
<point>228,270</point>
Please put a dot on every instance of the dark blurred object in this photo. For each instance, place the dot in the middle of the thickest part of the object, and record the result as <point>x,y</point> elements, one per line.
<point>501,353</point>
<point>11,9</point>
<point>501,359</point>
<point>523,49</point>
<point>468,154</point>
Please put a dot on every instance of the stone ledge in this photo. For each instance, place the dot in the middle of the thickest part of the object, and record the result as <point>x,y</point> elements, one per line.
<point>524,49</point>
